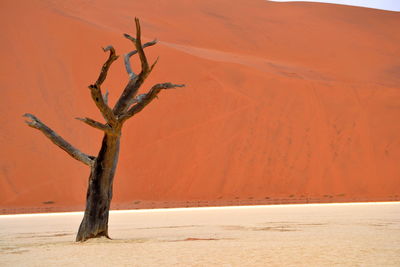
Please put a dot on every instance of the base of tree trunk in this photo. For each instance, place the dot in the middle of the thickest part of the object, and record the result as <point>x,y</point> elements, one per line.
<point>94,224</point>
<point>95,221</point>
<point>89,230</point>
<point>82,237</point>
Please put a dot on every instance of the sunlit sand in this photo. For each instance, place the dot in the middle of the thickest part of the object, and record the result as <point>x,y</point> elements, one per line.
<point>362,234</point>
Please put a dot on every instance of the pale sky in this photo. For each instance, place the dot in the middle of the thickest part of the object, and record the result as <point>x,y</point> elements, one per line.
<point>393,5</point>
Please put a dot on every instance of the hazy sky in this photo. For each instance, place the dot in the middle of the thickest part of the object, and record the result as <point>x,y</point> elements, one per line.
<point>381,4</point>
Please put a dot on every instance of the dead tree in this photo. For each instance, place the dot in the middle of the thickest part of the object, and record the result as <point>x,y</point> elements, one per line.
<point>102,167</point>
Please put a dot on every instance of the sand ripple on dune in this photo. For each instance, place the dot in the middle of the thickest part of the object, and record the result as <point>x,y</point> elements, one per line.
<point>258,63</point>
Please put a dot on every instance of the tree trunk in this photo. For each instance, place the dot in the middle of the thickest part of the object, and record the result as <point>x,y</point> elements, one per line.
<point>99,194</point>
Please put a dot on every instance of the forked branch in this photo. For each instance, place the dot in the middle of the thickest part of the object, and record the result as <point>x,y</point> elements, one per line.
<point>136,80</point>
<point>58,140</point>
<point>144,99</point>
<point>127,56</point>
<point>127,105</point>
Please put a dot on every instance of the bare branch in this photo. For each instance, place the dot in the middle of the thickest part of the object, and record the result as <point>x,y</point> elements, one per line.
<point>143,100</point>
<point>58,140</point>
<point>136,81</point>
<point>154,64</point>
<point>127,56</point>
<point>139,48</point>
<point>95,89</point>
<point>96,124</point>
<point>106,66</point>
<point>128,67</point>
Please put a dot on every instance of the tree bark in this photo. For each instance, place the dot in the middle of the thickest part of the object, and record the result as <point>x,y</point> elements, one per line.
<point>100,190</point>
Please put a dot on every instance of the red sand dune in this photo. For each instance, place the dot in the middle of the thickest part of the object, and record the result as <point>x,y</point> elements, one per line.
<point>284,102</point>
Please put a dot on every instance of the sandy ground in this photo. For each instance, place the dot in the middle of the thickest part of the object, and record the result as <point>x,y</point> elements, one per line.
<point>363,234</point>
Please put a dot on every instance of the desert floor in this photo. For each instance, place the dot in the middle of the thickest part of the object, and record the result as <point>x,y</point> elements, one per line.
<point>362,234</point>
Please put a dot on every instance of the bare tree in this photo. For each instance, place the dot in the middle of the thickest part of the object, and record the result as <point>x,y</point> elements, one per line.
<point>102,167</point>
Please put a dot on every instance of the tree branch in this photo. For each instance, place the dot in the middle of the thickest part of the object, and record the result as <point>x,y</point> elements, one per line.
<point>95,89</point>
<point>127,56</point>
<point>144,99</point>
<point>139,48</point>
<point>136,81</point>
<point>96,124</point>
<point>58,140</point>
<point>106,66</point>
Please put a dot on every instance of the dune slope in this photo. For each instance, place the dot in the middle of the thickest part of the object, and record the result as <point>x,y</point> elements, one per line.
<point>284,101</point>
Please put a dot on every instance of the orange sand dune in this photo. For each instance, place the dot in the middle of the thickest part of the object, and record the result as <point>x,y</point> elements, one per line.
<point>285,102</point>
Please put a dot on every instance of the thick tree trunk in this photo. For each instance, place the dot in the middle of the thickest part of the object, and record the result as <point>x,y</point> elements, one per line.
<point>99,193</point>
